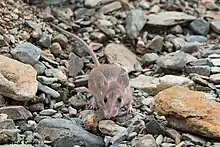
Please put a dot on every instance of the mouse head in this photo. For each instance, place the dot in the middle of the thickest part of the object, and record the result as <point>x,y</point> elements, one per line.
<point>114,97</point>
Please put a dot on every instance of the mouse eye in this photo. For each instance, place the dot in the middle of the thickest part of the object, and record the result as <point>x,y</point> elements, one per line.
<point>119,99</point>
<point>105,100</point>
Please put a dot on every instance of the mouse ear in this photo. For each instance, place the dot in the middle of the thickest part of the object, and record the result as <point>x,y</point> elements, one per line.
<point>100,81</point>
<point>123,78</point>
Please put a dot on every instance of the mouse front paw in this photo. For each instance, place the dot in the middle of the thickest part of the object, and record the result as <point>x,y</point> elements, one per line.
<point>131,110</point>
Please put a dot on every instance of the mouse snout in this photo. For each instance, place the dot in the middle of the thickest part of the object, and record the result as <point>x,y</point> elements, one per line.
<point>111,113</point>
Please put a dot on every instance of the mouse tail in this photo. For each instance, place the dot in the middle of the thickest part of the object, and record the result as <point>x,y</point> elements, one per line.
<point>87,47</point>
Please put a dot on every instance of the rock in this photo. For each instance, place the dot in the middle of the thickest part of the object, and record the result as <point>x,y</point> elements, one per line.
<point>119,137</point>
<point>196,39</point>
<point>56,73</point>
<point>16,112</point>
<point>172,80</point>
<point>215,25</point>
<point>99,36</point>
<point>194,139</point>
<point>215,70</point>
<point>177,29</point>
<point>48,90</point>
<point>32,24</point>
<point>61,39</point>
<point>110,128</point>
<point>178,42</point>
<point>153,126</point>
<point>13,82</point>
<point>46,80</point>
<point>169,18</point>
<point>26,53</point>
<point>156,44</point>
<point>17,145</point>
<point>111,7</point>
<point>190,48</point>
<point>174,135</point>
<point>215,78</point>
<point>144,4</point>
<point>159,139</point>
<point>189,110</point>
<point>146,140</point>
<point>56,49</point>
<point>175,60</point>
<point>119,54</point>
<point>201,70</point>
<point>45,40</point>
<point>91,123</point>
<point>92,3</point>
<point>75,64</point>
<point>149,58</point>
<point>8,135</point>
<point>48,112</point>
<point>39,67</point>
<point>145,83</point>
<point>77,102</point>
<point>167,145</point>
<point>7,124</point>
<point>36,107</point>
<point>147,101</point>
<point>200,27</point>
<point>67,133</point>
<point>135,21</point>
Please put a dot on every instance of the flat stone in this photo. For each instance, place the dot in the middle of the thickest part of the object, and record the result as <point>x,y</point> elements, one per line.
<point>121,55</point>
<point>173,80</point>
<point>8,135</point>
<point>215,25</point>
<point>169,18</point>
<point>58,128</point>
<point>201,70</point>
<point>196,39</point>
<point>13,83</point>
<point>189,111</point>
<point>156,44</point>
<point>135,21</point>
<point>147,140</point>
<point>149,58</point>
<point>215,78</point>
<point>200,27</point>
<point>26,53</point>
<point>7,124</point>
<point>47,90</point>
<point>16,112</point>
<point>193,139</point>
<point>75,64</point>
<point>48,112</point>
<point>92,3</point>
<point>110,128</point>
<point>111,7</point>
<point>175,60</point>
<point>61,39</point>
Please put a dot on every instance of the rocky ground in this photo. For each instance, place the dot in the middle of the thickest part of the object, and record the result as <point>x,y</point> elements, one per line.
<point>170,48</point>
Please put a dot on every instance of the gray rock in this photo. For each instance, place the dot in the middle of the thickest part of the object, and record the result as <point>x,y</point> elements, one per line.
<point>7,124</point>
<point>26,53</point>
<point>169,18</point>
<point>149,58</point>
<point>56,49</point>
<point>136,126</point>
<point>200,27</point>
<point>39,67</point>
<point>92,3</point>
<point>61,39</point>
<point>45,40</point>
<point>173,134</point>
<point>156,44</point>
<point>119,137</point>
<point>99,36</point>
<point>215,70</point>
<point>144,4</point>
<point>36,107</point>
<point>193,139</point>
<point>190,48</point>
<point>46,80</point>
<point>215,25</point>
<point>48,90</point>
<point>48,112</point>
<point>135,21</point>
<point>175,60</point>
<point>2,41</point>
<point>216,144</point>
<point>111,7</point>
<point>215,78</point>
<point>8,135</point>
<point>153,126</point>
<point>75,64</point>
<point>196,39</point>
<point>16,112</point>
<point>159,139</point>
<point>177,29</point>
<point>147,101</point>
<point>56,73</point>
<point>178,42</point>
<point>67,133</point>
<point>146,140</point>
<point>77,102</point>
<point>201,70</point>
<point>110,128</point>
<point>32,24</point>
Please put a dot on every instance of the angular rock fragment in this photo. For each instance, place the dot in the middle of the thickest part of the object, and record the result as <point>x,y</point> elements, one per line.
<point>17,80</point>
<point>190,111</point>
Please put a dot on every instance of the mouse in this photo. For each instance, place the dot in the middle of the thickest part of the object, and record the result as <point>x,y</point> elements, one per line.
<point>108,83</point>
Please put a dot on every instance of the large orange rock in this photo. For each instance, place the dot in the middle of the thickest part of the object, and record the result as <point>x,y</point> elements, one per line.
<point>189,110</point>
